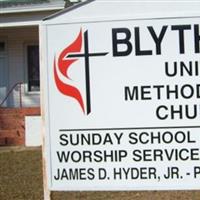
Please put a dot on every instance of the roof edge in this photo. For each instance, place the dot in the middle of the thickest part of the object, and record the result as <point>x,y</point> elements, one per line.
<point>28,10</point>
<point>68,9</point>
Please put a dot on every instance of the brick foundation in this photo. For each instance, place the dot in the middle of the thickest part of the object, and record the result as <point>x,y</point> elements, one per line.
<point>12,125</point>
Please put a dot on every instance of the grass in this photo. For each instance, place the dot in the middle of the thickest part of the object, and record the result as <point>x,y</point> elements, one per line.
<point>20,175</point>
<point>21,179</point>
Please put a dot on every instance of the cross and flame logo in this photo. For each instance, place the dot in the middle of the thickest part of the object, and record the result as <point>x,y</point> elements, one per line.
<point>67,57</point>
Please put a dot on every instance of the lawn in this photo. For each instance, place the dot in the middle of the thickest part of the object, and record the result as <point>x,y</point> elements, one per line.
<point>20,174</point>
<point>21,179</point>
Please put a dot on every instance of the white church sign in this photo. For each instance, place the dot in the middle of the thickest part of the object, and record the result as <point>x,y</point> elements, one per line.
<point>123,104</point>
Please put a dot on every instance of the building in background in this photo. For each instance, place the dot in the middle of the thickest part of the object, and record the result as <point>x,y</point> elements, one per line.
<point>19,60</point>
<point>19,49</point>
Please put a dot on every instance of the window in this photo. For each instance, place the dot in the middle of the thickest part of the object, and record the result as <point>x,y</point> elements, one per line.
<point>2,46</point>
<point>33,68</point>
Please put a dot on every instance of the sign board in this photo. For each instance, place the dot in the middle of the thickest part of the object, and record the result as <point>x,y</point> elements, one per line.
<point>123,105</point>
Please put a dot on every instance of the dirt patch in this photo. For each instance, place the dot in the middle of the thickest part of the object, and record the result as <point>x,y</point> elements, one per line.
<point>151,195</point>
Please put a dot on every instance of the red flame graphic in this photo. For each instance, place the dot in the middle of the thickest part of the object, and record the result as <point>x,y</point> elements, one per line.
<point>63,66</point>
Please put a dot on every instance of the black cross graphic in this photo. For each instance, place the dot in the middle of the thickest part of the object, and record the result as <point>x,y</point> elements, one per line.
<point>87,56</point>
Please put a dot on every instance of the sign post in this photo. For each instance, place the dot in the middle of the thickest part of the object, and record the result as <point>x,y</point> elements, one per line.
<point>122,104</point>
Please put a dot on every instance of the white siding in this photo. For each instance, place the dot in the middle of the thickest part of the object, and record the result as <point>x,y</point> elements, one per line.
<point>19,18</point>
<point>17,39</point>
